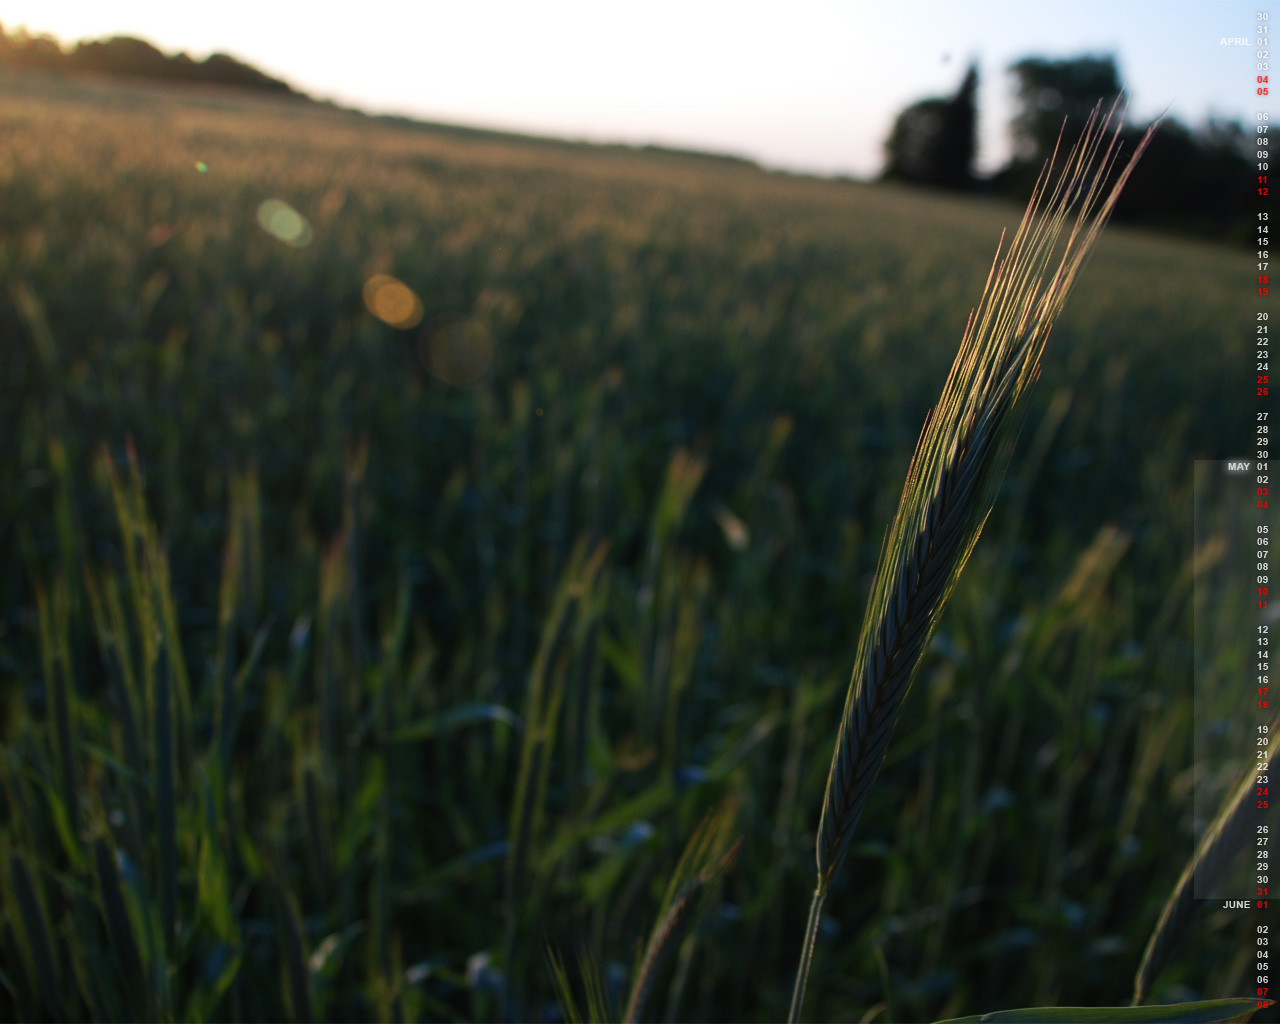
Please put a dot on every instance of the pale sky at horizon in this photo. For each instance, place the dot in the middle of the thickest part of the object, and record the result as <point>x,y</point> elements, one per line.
<point>816,90</point>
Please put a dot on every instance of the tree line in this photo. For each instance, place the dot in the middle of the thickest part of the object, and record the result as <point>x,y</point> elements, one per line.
<point>1199,181</point>
<point>136,58</point>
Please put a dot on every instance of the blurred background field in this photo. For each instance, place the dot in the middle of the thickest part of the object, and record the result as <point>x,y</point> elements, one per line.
<point>348,666</point>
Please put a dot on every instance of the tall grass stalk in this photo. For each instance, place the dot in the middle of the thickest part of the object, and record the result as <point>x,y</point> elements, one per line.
<point>53,619</point>
<point>166,803</point>
<point>39,945</point>
<point>705,861</point>
<point>548,683</point>
<point>957,466</point>
<point>123,944</point>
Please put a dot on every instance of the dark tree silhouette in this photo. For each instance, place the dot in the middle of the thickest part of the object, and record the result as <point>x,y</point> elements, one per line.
<point>958,143</point>
<point>1050,90</point>
<point>124,56</point>
<point>1190,182</point>
<point>934,142</point>
<point>120,55</point>
<point>21,49</point>
<point>1193,182</point>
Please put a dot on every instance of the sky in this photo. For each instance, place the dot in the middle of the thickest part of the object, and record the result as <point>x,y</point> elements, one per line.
<point>809,85</point>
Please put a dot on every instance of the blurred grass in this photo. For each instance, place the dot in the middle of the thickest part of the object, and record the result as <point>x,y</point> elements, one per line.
<point>332,689</point>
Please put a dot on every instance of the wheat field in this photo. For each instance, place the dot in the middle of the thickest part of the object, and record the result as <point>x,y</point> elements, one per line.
<point>479,654</point>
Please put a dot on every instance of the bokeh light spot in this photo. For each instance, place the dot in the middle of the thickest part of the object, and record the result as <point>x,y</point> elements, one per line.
<point>202,167</point>
<point>280,219</point>
<point>159,234</point>
<point>735,531</point>
<point>457,349</point>
<point>392,301</point>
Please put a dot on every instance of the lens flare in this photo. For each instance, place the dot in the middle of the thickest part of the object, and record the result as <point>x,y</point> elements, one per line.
<point>457,349</point>
<point>278,218</point>
<point>735,531</point>
<point>392,301</point>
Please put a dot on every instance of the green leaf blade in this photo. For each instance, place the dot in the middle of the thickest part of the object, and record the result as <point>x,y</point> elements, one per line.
<point>1203,1012</point>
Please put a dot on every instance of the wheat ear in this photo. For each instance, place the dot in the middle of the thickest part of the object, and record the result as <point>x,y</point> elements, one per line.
<point>957,466</point>
<point>703,863</point>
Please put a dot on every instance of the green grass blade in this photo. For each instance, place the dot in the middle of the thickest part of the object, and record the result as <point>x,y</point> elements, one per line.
<point>445,722</point>
<point>36,931</point>
<point>32,311</point>
<point>319,832</point>
<point>563,988</point>
<point>233,684</point>
<point>297,974</point>
<point>1205,1012</point>
<point>166,803</point>
<point>124,944</point>
<point>54,652</point>
<point>132,540</point>
<point>213,890</point>
<point>60,817</point>
<point>89,958</point>
<point>21,989</point>
<point>103,602</point>
<point>547,685</point>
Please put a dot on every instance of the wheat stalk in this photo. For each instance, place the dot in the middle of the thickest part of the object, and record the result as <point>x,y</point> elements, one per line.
<point>703,863</point>
<point>957,466</point>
